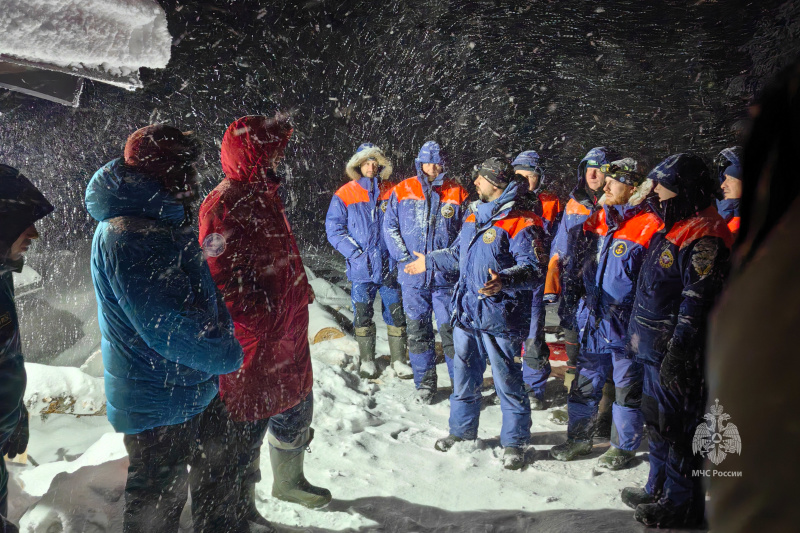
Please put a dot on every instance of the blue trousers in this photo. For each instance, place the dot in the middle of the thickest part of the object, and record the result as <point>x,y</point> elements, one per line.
<point>419,306</point>
<point>671,423</point>
<point>591,372</point>
<point>363,297</point>
<point>536,379</point>
<point>472,349</point>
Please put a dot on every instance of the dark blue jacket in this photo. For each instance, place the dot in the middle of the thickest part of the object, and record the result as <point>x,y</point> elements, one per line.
<point>353,225</point>
<point>511,243</point>
<point>166,335</point>
<point>729,209</point>
<point>422,217</point>
<point>616,241</point>
<point>21,204</point>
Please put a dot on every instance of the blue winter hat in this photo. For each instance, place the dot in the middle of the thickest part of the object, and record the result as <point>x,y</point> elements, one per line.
<point>365,146</point>
<point>734,171</point>
<point>430,153</point>
<point>528,160</point>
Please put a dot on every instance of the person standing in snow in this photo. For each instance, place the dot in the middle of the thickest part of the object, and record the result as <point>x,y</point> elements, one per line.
<point>582,203</point>
<point>424,214</point>
<point>500,257</point>
<point>681,277</point>
<point>728,164</point>
<point>166,336</point>
<point>616,239</point>
<point>257,267</point>
<point>353,226</point>
<point>21,206</point>
<point>536,359</point>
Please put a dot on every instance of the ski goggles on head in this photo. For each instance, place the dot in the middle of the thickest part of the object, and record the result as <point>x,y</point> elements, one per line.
<point>592,163</point>
<point>622,174</point>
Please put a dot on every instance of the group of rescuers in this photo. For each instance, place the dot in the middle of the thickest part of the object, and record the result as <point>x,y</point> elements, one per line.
<point>205,340</point>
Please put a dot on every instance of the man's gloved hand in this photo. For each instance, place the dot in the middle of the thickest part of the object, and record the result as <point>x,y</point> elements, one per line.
<point>17,443</point>
<point>533,357</point>
<point>674,375</point>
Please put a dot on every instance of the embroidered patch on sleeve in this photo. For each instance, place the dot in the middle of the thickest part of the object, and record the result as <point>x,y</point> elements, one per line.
<point>214,245</point>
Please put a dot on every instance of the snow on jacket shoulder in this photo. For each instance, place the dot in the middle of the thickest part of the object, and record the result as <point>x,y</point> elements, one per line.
<point>166,335</point>
<point>353,225</point>
<point>422,217</point>
<point>256,264</point>
<point>681,277</point>
<point>510,242</point>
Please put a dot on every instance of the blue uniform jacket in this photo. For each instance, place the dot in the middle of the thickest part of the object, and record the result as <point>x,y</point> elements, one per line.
<point>166,335</point>
<point>422,217</point>
<point>353,225</point>
<point>682,275</point>
<point>617,239</point>
<point>511,243</point>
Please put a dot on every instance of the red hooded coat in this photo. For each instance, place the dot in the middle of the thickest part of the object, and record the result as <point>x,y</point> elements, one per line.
<point>256,265</point>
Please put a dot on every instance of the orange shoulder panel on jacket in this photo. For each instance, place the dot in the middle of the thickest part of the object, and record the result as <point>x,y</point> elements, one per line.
<point>352,193</point>
<point>470,218</point>
<point>517,221</point>
<point>453,193</point>
<point>596,223</point>
<point>576,208</point>
<point>707,224</point>
<point>640,229</point>
<point>386,189</point>
<point>409,189</point>
<point>551,206</point>
<point>734,224</point>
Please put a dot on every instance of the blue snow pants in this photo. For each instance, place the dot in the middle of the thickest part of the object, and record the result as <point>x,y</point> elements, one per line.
<point>472,350</point>
<point>591,372</point>
<point>419,305</point>
<point>536,379</point>
<point>671,422</point>
<point>363,297</point>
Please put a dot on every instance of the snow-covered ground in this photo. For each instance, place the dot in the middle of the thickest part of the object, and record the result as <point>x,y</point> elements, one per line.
<point>373,448</point>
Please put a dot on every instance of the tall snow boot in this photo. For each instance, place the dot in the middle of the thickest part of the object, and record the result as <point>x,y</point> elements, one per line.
<point>247,499</point>
<point>366,348</point>
<point>602,428</point>
<point>398,350</point>
<point>633,497</point>
<point>289,483</point>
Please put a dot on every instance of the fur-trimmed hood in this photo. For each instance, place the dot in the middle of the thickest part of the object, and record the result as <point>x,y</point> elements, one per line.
<point>353,168</point>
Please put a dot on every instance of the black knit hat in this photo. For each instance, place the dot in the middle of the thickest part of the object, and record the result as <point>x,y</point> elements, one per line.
<point>496,171</point>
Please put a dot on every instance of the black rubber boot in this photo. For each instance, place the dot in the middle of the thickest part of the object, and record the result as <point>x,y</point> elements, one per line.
<point>366,348</point>
<point>398,344</point>
<point>663,515</point>
<point>635,496</point>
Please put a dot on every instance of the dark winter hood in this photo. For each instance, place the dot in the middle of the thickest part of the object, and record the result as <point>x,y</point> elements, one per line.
<point>687,176</point>
<point>21,204</point>
<point>595,157</point>
<point>728,161</point>
<point>249,145</point>
<point>430,153</point>
<point>117,190</point>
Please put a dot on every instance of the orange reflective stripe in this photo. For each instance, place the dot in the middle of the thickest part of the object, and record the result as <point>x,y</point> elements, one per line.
<point>517,221</point>
<point>640,229</point>
<point>409,189</point>
<point>707,224</point>
<point>576,208</point>
<point>386,189</point>
<point>551,206</point>
<point>470,218</point>
<point>453,193</point>
<point>596,223</point>
<point>352,193</point>
<point>552,283</point>
<point>734,224</point>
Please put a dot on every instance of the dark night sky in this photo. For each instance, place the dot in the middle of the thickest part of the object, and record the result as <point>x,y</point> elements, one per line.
<point>480,77</point>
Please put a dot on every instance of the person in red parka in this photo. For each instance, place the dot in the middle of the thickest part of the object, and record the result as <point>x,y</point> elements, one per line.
<point>256,264</point>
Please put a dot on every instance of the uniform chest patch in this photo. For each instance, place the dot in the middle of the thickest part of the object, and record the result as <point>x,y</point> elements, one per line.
<point>620,248</point>
<point>489,236</point>
<point>666,259</point>
<point>214,245</point>
<point>383,206</point>
<point>448,211</point>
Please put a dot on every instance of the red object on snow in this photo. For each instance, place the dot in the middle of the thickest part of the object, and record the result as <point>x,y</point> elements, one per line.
<point>558,351</point>
<point>256,264</point>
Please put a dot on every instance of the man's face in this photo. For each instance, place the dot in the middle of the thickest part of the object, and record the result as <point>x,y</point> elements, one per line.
<point>531,176</point>
<point>663,193</point>
<point>431,170</point>
<point>732,188</point>
<point>22,244</point>
<point>486,191</point>
<point>595,179</point>
<point>369,168</point>
<point>617,193</point>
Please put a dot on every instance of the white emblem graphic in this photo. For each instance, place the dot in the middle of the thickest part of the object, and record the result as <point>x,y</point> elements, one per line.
<point>214,245</point>
<point>715,440</point>
<point>448,211</point>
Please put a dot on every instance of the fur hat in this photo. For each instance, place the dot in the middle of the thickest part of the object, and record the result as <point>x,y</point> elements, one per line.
<point>364,153</point>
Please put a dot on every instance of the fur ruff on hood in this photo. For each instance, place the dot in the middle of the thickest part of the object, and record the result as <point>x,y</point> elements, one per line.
<point>353,168</point>
<point>639,194</point>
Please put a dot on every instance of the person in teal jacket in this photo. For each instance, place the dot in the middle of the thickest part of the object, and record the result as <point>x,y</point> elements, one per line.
<point>166,334</point>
